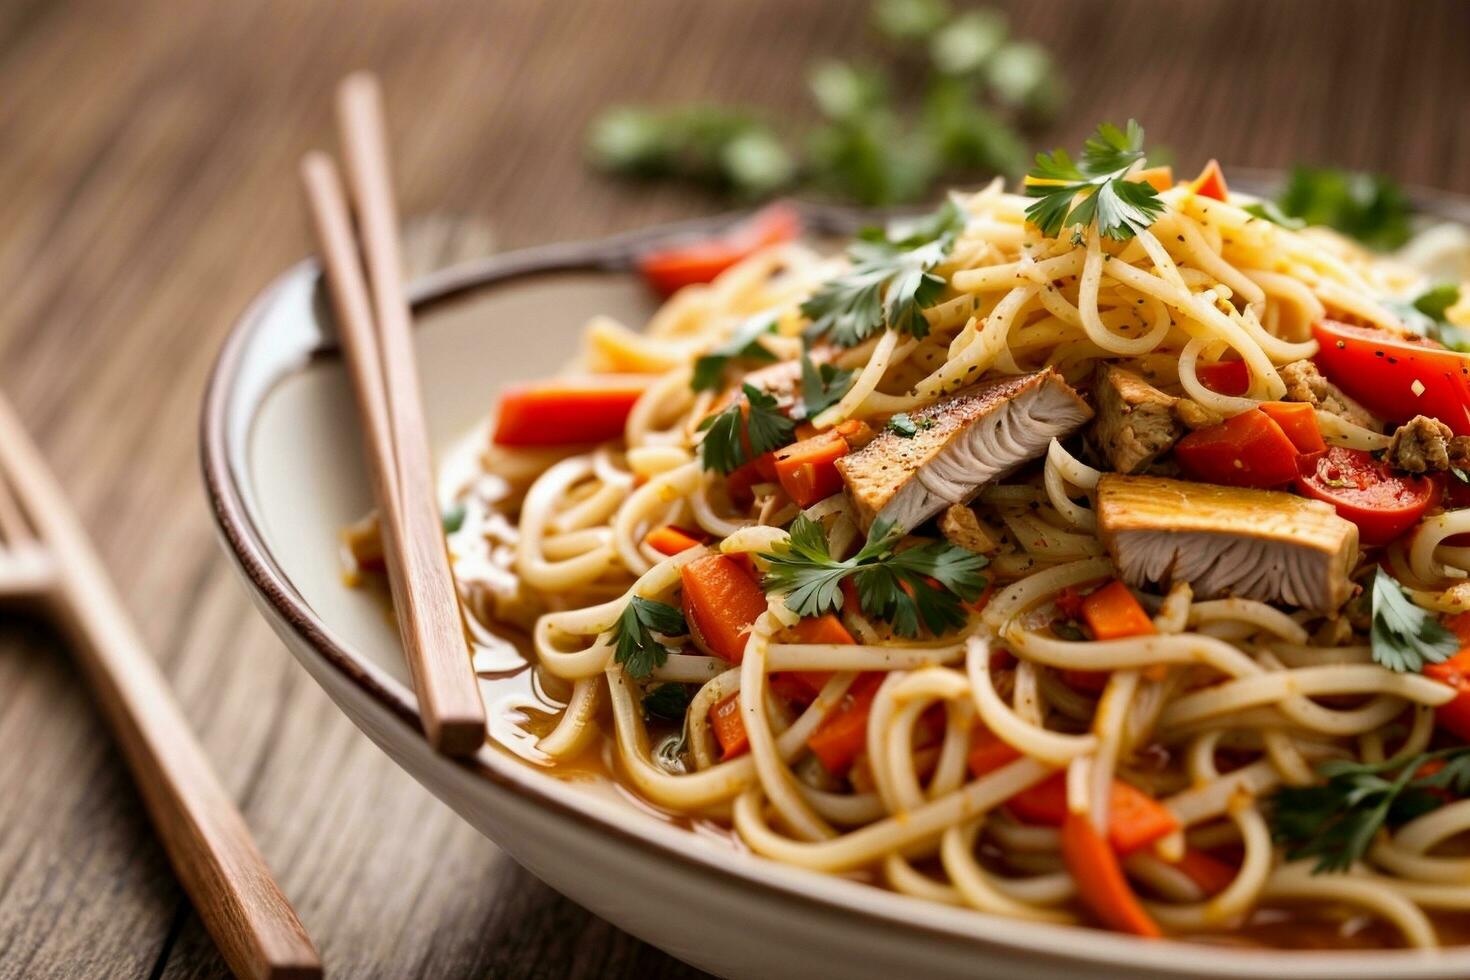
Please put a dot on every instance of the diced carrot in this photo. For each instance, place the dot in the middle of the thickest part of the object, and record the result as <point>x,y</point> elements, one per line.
<point>1299,421</point>
<point>841,735</point>
<point>1211,874</point>
<point>1454,715</point>
<point>807,470</point>
<point>721,603</point>
<point>1211,182</point>
<point>1112,613</point>
<point>822,629</point>
<point>789,686</point>
<point>670,269</point>
<point>1226,377</point>
<point>670,540</point>
<point>1100,880</point>
<point>988,752</point>
<point>567,411</point>
<point>1136,819</point>
<point>729,726</point>
<point>1160,178</point>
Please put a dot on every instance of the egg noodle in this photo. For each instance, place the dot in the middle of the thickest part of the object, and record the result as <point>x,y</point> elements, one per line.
<point>1228,701</point>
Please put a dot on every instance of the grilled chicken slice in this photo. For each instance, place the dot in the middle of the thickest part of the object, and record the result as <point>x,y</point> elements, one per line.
<point>1426,445</point>
<point>1135,421</point>
<point>961,527</point>
<point>963,442</point>
<point>1227,541</point>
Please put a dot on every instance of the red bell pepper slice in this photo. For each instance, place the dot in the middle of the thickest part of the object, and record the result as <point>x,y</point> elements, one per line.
<point>669,269</point>
<point>1248,450</point>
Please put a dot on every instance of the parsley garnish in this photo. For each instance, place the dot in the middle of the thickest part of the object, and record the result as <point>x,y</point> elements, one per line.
<point>822,386</point>
<point>902,424</point>
<point>1372,209</point>
<point>890,281</point>
<point>1405,637</point>
<point>636,634</point>
<point>1121,207</point>
<point>1271,212</point>
<point>667,701</point>
<point>924,585</point>
<point>744,343</point>
<point>1336,822</point>
<point>727,432</point>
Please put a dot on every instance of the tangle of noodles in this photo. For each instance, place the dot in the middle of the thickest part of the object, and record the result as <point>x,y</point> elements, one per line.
<point>1227,701</point>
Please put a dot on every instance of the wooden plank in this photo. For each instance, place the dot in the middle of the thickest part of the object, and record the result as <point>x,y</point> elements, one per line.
<point>148,172</point>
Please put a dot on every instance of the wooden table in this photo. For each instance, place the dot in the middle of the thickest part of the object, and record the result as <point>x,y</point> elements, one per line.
<point>147,155</point>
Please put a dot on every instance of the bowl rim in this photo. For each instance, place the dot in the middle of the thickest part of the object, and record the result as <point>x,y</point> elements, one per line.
<point>224,455</point>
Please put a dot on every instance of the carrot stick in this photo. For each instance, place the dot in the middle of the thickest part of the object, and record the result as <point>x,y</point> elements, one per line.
<point>842,734</point>
<point>567,411</point>
<point>1100,881</point>
<point>721,603</point>
<point>729,726</point>
<point>1112,613</point>
<point>670,540</point>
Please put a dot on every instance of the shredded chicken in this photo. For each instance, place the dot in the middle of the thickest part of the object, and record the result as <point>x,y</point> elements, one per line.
<point>1135,423</point>
<point>1426,445</point>
<point>961,443</point>
<point>1304,383</point>
<point>1227,541</point>
<point>961,527</point>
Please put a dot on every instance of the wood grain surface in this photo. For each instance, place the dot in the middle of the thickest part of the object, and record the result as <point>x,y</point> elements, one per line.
<point>147,160</point>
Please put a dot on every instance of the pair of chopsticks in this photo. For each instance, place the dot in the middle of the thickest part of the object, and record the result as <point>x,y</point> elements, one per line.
<point>375,328</point>
<point>45,555</point>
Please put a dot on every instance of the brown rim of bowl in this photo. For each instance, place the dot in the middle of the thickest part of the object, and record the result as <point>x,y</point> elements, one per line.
<point>221,455</point>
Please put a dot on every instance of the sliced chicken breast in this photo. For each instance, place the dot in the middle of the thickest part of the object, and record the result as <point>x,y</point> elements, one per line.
<point>1227,541</point>
<point>962,442</point>
<point>1135,422</point>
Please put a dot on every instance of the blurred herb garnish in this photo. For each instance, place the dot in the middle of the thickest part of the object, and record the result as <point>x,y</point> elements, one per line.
<point>1371,208</point>
<point>969,87</point>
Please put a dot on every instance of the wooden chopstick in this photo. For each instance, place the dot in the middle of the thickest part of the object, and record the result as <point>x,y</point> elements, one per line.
<point>375,330</point>
<point>213,855</point>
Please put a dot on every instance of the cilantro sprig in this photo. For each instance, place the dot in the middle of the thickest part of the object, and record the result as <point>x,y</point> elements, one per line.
<point>1336,821</point>
<point>1096,189</point>
<point>638,632</point>
<point>744,344</point>
<point>891,281</point>
<point>669,702</point>
<point>822,386</point>
<point>1404,636</point>
<point>925,585</point>
<point>739,434</point>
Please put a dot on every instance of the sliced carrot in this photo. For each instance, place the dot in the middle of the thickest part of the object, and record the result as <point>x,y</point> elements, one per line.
<point>821,629</point>
<point>1211,182</point>
<point>567,411</point>
<point>670,269</point>
<point>1136,819</point>
<point>1160,178</point>
<point>670,540</point>
<point>807,470</point>
<point>842,734</point>
<point>1299,421</point>
<point>721,602</point>
<point>729,726</point>
<point>1211,874</point>
<point>1100,880</point>
<point>1112,613</point>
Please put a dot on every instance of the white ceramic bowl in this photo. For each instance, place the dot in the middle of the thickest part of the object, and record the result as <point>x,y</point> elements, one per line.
<point>284,472</point>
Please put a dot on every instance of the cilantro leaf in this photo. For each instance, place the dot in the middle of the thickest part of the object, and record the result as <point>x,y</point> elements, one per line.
<point>890,280</point>
<point>822,386</point>
<point>923,586</point>
<point>1404,636</point>
<point>667,701</point>
<point>1337,821</point>
<point>756,419</point>
<point>744,343</point>
<point>1425,315</point>
<point>904,425</point>
<point>1121,208</point>
<point>636,634</point>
